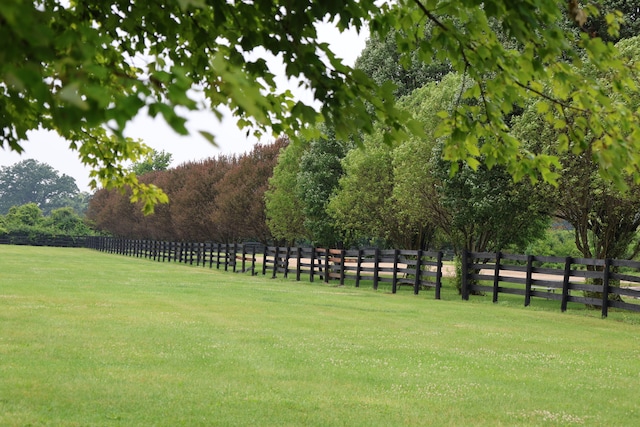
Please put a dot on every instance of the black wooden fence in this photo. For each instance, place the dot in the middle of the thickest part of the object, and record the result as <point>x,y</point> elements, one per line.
<point>593,282</point>
<point>418,269</point>
<point>43,240</point>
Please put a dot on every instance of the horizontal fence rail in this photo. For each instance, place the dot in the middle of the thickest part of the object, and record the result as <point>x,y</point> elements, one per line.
<point>417,269</point>
<point>592,282</point>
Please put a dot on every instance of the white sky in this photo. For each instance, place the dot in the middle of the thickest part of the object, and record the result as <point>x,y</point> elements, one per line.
<point>48,147</point>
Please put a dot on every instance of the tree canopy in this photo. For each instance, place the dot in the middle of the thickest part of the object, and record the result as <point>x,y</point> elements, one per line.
<point>30,181</point>
<point>154,160</point>
<point>85,69</point>
<point>219,199</point>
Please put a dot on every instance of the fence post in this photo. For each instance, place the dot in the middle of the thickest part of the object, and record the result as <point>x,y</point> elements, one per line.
<point>234,260</point>
<point>343,254</point>
<point>394,281</point>
<point>253,261</point>
<point>376,265</point>
<point>565,284</point>
<point>326,265</point>
<point>496,277</point>
<point>416,282</point>
<point>313,263</point>
<point>264,260</point>
<point>605,287</point>
<point>298,262</point>
<point>464,282</point>
<point>438,274</point>
<point>275,262</point>
<point>359,267</point>
<point>528,281</point>
<point>286,262</point>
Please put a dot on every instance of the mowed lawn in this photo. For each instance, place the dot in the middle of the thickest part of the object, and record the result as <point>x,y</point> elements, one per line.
<point>92,339</point>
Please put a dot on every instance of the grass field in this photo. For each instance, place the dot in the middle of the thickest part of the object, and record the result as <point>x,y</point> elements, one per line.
<point>91,339</point>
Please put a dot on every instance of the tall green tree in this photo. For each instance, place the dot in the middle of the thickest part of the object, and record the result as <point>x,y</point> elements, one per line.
<point>364,207</point>
<point>484,210</point>
<point>283,207</point>
<point>154,160</point>
<point>415,194</point>
<point>382,61</point>
<point>630,27</point>
<point>361,206</point>
<point>30,181</point>
<point>320,171</point>
<point>605,220</point>
<point>29,215</point>
<point>542,61</point>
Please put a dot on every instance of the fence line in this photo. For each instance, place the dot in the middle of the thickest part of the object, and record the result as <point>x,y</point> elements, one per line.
<point>592,282</point>
<point>418,269</point>
<point>43,240</point>
<point>543,276</point>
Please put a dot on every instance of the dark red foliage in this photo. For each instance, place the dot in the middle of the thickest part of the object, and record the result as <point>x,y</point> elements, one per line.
<point>219,199</point>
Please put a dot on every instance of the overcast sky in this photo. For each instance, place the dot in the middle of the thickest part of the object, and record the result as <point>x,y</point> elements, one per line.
<point>48,147</point>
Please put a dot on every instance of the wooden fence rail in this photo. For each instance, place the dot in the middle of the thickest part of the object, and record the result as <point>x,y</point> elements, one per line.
<point>593,282</point>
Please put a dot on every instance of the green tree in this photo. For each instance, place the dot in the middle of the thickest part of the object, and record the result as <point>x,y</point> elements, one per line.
<point>542,61</point>
<point>486,211</point>
<point>364,207</point>
<point>477,210</point>
<point>28,214</point>
<point>30,181</point>
<point>415,193</point>
<point>283,207</point>
<point>68,222</point>
<point>605,220</point>
<point>382,61</point>
<point>320,171</point>
<point>154,160</point>
<point>630,27</point>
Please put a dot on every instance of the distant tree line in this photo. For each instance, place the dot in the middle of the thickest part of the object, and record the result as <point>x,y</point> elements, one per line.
<point>29,220</point>
<point>37,202</point>
<point>218,199</point>
<point>30,181</point>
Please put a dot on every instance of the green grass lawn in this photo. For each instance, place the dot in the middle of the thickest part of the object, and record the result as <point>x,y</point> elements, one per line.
<point>92,339</point>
